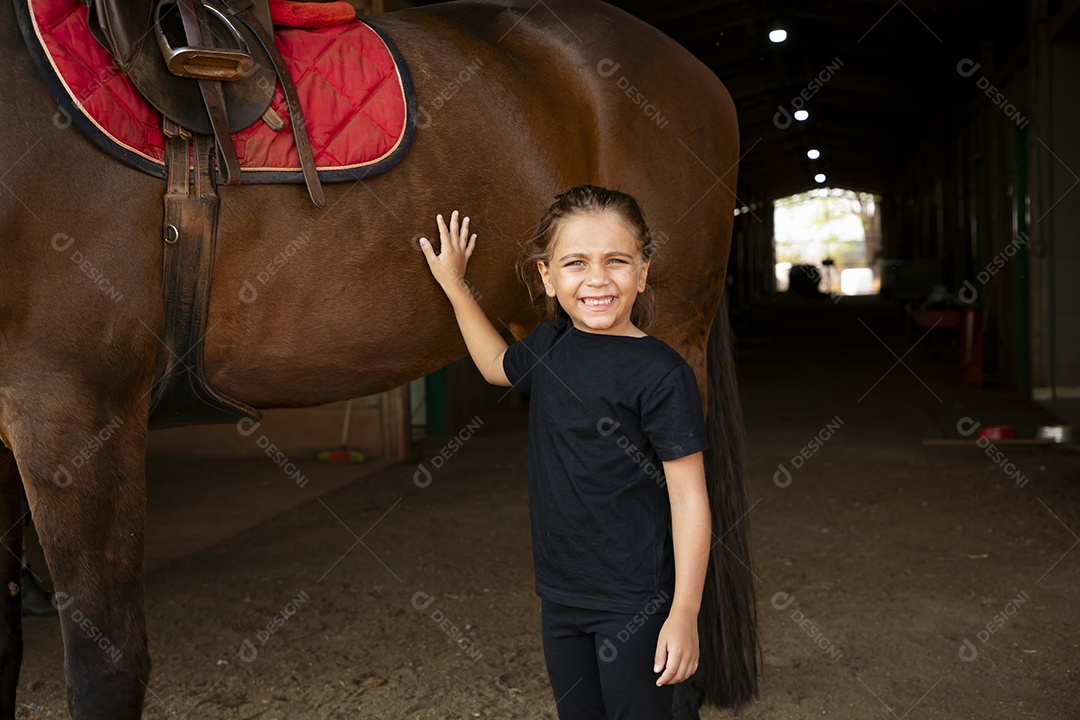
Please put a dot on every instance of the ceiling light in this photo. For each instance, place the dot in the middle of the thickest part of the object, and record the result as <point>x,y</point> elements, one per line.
<point>801,115</point>
<point>820,178</point>
<point>778,36</point>
<point>813,153</point>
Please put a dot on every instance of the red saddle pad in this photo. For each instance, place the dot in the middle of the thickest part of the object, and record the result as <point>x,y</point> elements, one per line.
<point>353,87</point>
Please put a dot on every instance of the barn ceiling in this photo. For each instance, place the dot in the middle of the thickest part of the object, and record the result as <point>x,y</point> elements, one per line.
<point>885,72</point>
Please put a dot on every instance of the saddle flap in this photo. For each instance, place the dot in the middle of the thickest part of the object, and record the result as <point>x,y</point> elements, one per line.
<point>129,28</point>
<point>121,26</point>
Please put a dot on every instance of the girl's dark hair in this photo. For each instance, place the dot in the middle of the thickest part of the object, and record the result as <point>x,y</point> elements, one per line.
<point>586,200</point>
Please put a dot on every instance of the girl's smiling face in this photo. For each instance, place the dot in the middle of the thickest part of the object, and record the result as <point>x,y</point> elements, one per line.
<point>596,271</point>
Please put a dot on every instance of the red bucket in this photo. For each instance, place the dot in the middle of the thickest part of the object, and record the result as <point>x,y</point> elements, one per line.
<point>996,432</point>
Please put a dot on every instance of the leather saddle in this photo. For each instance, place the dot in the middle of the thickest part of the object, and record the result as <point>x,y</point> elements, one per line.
<point>209,66</point>
<point>139,35</point>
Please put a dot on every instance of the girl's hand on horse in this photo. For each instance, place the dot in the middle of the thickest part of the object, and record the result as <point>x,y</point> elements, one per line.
<point>455,248</point>
<point>677,648</point>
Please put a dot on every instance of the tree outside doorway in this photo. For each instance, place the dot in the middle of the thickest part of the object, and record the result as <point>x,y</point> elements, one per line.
<point>832,239</point>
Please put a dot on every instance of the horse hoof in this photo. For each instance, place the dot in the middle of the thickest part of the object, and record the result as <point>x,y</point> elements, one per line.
<point>35,600</point>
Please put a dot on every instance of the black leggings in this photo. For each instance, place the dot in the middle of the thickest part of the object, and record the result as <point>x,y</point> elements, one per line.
<point>601,664</point>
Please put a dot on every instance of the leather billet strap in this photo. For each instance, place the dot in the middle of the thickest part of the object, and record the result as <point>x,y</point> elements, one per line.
<point>197,28</point>
<point>182,393</point>
<point>244,9</point>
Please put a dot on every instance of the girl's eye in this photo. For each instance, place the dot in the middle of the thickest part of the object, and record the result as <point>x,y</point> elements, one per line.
<point>575,262</point>
<point>617,260</point>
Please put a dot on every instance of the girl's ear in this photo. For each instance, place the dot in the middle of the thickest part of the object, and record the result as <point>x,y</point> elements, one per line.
<point>545,277</point>
<point>644,275</point>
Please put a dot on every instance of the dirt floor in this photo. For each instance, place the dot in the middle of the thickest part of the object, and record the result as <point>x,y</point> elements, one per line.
<point>895,579</point>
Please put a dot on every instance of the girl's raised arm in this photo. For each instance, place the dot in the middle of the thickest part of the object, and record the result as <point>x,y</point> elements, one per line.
<point>485,344</point>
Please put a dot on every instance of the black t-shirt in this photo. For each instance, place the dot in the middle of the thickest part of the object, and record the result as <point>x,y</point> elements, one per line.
<point>605,411</point>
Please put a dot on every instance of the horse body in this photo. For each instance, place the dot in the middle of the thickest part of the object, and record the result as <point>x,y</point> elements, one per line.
<point>498,150</point>
<point>518,102</point>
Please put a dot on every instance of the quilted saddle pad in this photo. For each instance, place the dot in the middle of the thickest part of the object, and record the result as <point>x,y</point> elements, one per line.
<point>354,89</point>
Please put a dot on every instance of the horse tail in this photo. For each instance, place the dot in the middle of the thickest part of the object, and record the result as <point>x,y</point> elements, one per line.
<point>729,653</point>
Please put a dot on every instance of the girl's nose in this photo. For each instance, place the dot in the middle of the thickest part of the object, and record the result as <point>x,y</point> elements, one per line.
<point>597,276</point>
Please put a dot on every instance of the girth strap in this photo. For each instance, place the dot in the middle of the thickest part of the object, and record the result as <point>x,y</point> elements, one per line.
<point>182,394</point>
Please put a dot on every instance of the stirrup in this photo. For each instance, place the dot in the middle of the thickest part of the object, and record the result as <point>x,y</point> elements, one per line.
<point>204,63</point>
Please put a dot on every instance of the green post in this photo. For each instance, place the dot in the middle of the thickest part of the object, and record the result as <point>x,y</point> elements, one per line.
<point>1023,299</point>
<point>435,389</point>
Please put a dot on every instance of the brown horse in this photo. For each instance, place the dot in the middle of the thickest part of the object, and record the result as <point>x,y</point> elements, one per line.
<point>567,93</point>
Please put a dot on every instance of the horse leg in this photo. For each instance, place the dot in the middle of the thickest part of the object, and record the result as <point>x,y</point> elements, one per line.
<point>11,522</point>
<point>83,464</point>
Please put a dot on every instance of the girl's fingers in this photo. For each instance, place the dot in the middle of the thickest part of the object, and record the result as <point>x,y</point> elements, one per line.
<point>455,234</point>
<point>679,667</point>
<point>464,240</point>
<point>660,659</point>
<point>429,252</point>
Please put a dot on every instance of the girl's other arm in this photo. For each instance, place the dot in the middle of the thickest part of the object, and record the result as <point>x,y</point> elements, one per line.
<point>691,535</point>
<point>485,344</point>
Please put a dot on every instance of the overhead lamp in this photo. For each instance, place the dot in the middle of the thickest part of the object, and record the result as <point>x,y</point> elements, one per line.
<point>801,115</point>
<point>813,153</point>
<point>819,178</point>
<point>778,35</point>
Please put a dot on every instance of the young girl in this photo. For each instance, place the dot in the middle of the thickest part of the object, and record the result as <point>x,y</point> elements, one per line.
<point>619,511</point>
